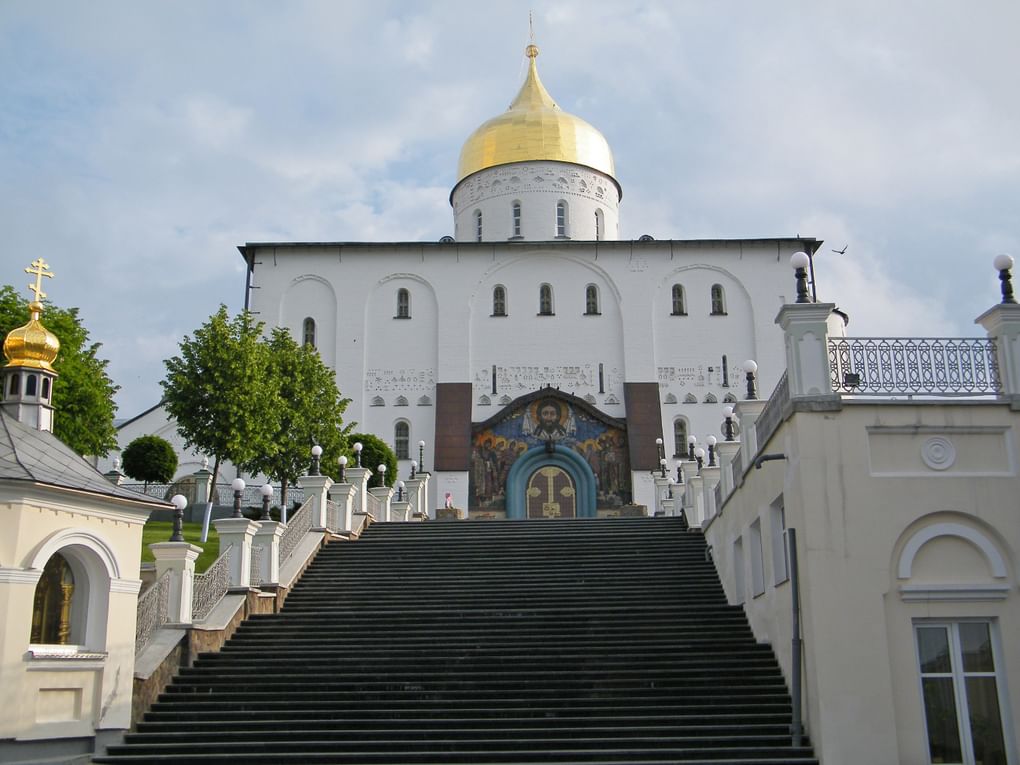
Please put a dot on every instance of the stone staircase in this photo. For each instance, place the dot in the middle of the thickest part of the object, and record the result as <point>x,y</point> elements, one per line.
<point>580,641</point>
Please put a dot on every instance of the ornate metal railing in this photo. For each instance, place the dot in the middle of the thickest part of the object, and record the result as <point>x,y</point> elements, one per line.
<point>903,366</point>
<point>772,414</point>
<point>298,525</point>
<point>332,515</point>
<point>211,586</point>
<point>153,611</point>
<point>373,505</point>
<point>255,569</point>
<point>222,493</point>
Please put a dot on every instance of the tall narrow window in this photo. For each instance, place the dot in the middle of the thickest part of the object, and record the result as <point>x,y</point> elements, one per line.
<point>30,385</point>
<point>51,612</point>
<point>679,304</point>
<point>591,300</point>
<point>718,300</point>
<point>515,218</point>
<point>401,439</point>
<point>308,332</point>
<point>403,304</point>
<point>960,692</point>
<point>680,437</point>
<point>478,225</point>
<point>600,225</point>
<point>757,559</point>
<point>545,300</point>
<point>738,571</point>
<point>561,218</point>
<point>777,527</point>
<point>499,301</point>
<point>46,388</point>
<point>12,389</point>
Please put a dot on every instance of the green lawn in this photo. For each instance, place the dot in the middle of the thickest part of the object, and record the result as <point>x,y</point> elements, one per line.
<point>160,531</point>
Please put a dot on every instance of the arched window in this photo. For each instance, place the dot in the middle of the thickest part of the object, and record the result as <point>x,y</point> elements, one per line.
<point>499,300</point>
<point>402,439</point>
<point>308,332</point>
<point>591,300</point>
<point>679,303</point>
<point>515,219</point>
<point>680,437</point>
<point>45,388</point>
<point>545,300</point>
<point>561,218</point>
<point>478,225</point>
<point>718,300</point>
<point>600,225</point>
<point>15,384</point>
<point>403,304</point>
<point>30,385</point>
<point>51,611</point>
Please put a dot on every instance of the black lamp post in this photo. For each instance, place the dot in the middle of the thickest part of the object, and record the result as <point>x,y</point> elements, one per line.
<point>691,441</point>
<point>316,456</point>
<point>266,490</point>
<point>750,367</point>
<point>400,491</point>
<point>238,486</point>
<point>382,475</point>
<point>1004,264</point>
<point>342,462</point>
<point>728,424</point>
<point>414,467</point>
<point>799,261</point>
<point>421,457</point>
<point>662,467</point>
<point>679,473</point>
<point>699,455</point>
<point>357,452</point>
<point>711,441</point>
<point>179,501</point>
<point>660,447</point>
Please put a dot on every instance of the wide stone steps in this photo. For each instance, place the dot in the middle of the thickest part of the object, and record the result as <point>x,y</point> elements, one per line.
<point>582,641</point>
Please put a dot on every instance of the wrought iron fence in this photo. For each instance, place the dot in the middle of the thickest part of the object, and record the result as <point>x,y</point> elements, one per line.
<point>222,494</point>
<point>255,568</point>
<point>153,611</point>
<point>332,515</point>
<point>903,366</point>
<point>772,414</point>
<point>298,525</point>
<point>211,586</point>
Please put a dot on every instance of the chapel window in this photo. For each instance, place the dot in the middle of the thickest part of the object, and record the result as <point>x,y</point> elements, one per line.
<point>401,439</point>
<point>51,610</point>
<point>515,219</point>
<point>15,384</point>
<point>46,388</point>
<point>308,332</point>
<point>600,225</point>
<point>478,225</point>
<point>561,218</point>
<point>679,301</point>
<point>499,300</point>
<point>591,300</point>
<point>545,300</point>
<point>718,300</point>
<point>30,385</point>
<point>403,304</point>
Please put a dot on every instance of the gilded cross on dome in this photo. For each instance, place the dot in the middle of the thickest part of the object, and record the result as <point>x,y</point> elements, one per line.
<point>39,268</point>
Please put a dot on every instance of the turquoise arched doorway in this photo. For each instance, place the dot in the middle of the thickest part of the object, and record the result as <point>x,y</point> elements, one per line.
<point>571,471</point>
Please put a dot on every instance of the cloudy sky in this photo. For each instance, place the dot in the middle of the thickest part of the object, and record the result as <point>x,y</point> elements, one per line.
<point>141,142</point>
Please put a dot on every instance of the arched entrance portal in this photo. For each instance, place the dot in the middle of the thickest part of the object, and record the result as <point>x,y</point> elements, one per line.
<point>551,482</point>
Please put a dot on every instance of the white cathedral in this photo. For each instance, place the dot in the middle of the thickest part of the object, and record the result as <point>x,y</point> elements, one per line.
<point>535,353</point>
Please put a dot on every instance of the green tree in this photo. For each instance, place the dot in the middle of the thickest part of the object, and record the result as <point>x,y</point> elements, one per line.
<point>221,392</point>
<point>311,412</point>
<point>374,452</point>
<point>149,458</point>
<point>83,392</point>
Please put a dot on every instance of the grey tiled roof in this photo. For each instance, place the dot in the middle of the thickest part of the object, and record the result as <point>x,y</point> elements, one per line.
<point>28,454</point>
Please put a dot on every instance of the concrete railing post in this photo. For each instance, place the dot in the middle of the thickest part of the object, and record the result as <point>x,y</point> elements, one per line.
<point>237,534</point>
<point>806,330</point>
<point>1002,323</point>
<point>179,559</point>
<point>267,536</point>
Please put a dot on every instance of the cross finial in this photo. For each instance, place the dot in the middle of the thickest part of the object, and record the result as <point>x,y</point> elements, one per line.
<point>39,269</point>
<point>531,27</point>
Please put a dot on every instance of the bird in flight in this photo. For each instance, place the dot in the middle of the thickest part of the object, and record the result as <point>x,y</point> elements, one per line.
<point>843,251</point>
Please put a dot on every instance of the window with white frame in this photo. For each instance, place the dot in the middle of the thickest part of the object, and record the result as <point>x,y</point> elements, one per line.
<point>308,332</point>
<point>680,438</point>
<point>600,225</point>
<point>515,218</point>
<point>499,300</point>
<point>591,300</point>
<point>402,439</point>
<point>545,300</point>
<point>478,225</point>
<point>961,690</point>
<point>561,218</point>
<point>777,532</point>
<point>403,304</point>
<point>718,300</point>
<point>757,559</point>
<point>679,302</point>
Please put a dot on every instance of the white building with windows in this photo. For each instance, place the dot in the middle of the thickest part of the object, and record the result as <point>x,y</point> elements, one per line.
<point>458,343</point>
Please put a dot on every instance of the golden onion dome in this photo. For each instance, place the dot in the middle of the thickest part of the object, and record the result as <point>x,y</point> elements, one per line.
<point>535,128</point>
<point>32,345</point>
